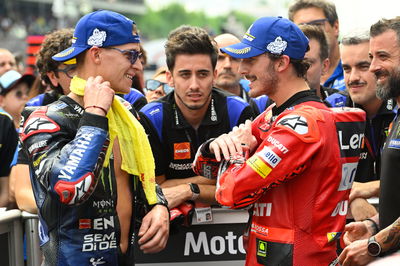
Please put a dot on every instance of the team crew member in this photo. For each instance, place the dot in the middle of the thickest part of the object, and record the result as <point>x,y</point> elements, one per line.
<point>322,13</point>
<point>380,235</point>
<point>361,85</point>
<point>294,175</point>
<point>84,165</point>
<point>195,111</point>
<point>228,76</point>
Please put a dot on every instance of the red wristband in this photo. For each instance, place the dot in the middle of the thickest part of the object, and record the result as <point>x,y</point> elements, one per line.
<point>99,107</point>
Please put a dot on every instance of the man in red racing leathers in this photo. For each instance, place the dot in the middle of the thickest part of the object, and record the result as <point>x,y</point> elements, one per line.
<point>303,156</point>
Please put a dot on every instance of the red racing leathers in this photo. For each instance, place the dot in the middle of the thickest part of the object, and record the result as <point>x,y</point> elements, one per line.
<point>298,180</point>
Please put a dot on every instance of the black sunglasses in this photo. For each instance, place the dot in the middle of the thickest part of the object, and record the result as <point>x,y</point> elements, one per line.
<point>152,85</point>
<point>132,55</point>
<point>69,71</point>
<point>317,22</point>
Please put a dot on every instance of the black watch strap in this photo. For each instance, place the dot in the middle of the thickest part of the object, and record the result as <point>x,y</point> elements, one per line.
<point>195,191</point>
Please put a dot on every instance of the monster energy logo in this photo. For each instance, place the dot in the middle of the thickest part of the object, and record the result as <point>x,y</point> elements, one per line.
<point>261,248</point>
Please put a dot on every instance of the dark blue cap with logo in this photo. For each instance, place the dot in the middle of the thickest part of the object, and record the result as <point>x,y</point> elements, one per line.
<point>101,28</point>
<point>275,35</point>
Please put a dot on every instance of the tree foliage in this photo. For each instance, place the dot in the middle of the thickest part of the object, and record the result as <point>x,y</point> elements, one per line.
<point>157,24</point>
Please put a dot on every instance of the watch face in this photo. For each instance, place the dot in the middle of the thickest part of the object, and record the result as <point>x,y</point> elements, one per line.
<point>195,188</point>
<point>374,249</point>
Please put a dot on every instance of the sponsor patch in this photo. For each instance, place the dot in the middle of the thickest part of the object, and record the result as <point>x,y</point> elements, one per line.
<point>269,156</point>
<point>181,151</point>
<point>259,166</point>
<point>277,46</point>
<point>85,223</point>
<point>350,138</point>
<point>348,175</point>
<point>261,248</point>
<point>97,38</point>
<point>277,144</point>
<point>39,123</point>
<point>180,166</point>
<point>297,123</point>
<point>394,144</point>
<point>333,236</point>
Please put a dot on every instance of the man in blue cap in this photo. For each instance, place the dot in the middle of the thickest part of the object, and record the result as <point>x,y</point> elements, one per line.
<point>293,177</point>
<point>87,152</point>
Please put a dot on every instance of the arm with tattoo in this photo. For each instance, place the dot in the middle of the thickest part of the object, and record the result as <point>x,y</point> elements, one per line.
<point>390,236</point>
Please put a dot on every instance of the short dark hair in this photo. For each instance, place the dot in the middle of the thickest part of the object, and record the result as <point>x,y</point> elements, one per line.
<point>384,25</point>
<point>190,40</point>
<point>316,33</point>
<point>300,65</point>
<point>53,43</point>
<point>327,7</point>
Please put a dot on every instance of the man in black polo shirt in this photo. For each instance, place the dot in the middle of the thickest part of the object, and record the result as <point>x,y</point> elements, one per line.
<point>380,235</point>
<point>361,85</point>
<point>178,123</point>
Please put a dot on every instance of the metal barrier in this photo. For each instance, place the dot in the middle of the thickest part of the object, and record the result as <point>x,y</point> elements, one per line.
<point>11,240</point>
<point>216,243</point>
<point>33,253</point>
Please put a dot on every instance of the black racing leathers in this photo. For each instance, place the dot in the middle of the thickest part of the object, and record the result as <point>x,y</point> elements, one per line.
<point>76,196</point>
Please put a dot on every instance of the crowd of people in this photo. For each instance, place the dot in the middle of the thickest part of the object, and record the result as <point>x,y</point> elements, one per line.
<point>290,121</point>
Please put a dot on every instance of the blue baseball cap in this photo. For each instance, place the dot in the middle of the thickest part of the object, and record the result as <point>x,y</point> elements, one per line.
<point>101,28</point>
<point>11,78</point>
<point>275,35</point>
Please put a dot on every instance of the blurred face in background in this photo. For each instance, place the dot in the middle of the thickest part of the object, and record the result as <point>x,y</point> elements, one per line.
<point>157,87</point>
<point>227,67</point>
<point>318,67</point>
<point>315,16</point>
<point>13,102</point>
<point>7,61</point>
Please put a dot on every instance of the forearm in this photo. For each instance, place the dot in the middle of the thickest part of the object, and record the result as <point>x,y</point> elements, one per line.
<point>361,209</point>
<point>3,191</point>
<point>193,179</point>
<point>389,238</point>
<point>26,201</point>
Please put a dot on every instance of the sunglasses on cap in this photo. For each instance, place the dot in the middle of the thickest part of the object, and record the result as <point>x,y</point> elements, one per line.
<point>132,55</point>
<point>152,85</point>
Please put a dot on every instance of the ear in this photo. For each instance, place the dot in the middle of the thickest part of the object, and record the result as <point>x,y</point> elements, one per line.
<point>282,64</point>
<point>170,78</point>
<point>325,66</point>
<point>336,28</point>
<point>94,53</point>
<point>52,77</point>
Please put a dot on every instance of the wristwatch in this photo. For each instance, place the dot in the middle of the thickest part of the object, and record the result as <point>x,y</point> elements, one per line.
<point>195,191</point>
<point>374,248</point>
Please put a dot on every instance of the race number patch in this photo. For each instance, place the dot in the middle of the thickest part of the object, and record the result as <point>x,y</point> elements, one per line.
<point>296,123</point>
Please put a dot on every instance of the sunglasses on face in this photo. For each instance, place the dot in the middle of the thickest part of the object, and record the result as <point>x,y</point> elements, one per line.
<point>132,55</point>
<point>20,94</point>
<point>317,22</point>
<point>152,85</point>
<point>69,71</point>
